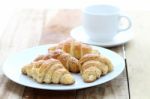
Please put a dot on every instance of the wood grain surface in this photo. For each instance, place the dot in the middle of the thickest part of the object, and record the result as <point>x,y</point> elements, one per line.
<point>138,56</point>
<point>23,31</point>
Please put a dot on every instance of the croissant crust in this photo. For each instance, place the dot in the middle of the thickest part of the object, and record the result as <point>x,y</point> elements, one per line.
<point>48,71</point>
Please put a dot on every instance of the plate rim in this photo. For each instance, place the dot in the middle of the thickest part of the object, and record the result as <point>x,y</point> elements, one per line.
<point>5,63</point>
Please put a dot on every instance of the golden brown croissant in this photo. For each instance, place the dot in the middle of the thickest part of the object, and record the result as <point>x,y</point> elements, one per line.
<point>69,62</point>
<point>75,48</point>
<point>48,71</point>
<point>93,66</point>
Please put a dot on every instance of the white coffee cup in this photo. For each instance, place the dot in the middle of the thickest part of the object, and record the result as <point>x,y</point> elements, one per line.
<point>101,22</point>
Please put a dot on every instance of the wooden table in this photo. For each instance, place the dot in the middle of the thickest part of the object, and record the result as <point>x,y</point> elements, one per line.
<point>29,28</point>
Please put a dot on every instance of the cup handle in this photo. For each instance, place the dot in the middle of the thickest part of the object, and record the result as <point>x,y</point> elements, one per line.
<point>129,23</point>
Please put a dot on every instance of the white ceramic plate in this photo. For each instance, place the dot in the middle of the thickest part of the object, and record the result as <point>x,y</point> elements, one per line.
<point>12,69</point>
<point>79,34</point>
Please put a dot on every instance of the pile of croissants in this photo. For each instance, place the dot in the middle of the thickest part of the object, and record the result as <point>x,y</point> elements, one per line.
<point>68,57</point>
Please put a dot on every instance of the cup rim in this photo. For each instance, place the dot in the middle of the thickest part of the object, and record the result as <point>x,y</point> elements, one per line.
<point>112,7</point>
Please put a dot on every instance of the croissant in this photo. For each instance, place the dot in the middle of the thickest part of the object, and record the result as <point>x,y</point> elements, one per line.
<point>48,71</point>
<point>68,61</point>
<point>93,66</point>
<point>75,48</point>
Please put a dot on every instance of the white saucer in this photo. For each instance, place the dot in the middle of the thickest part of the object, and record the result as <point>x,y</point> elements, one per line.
<point>79,34</point>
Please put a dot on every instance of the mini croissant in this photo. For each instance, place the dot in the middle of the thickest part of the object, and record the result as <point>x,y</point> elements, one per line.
<point>74,48</point>
<point>69,62</point>
<point>93,66</point>
<point>48,71</point>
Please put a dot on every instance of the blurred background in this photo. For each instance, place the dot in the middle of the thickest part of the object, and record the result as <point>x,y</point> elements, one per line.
<point>9,7</point>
